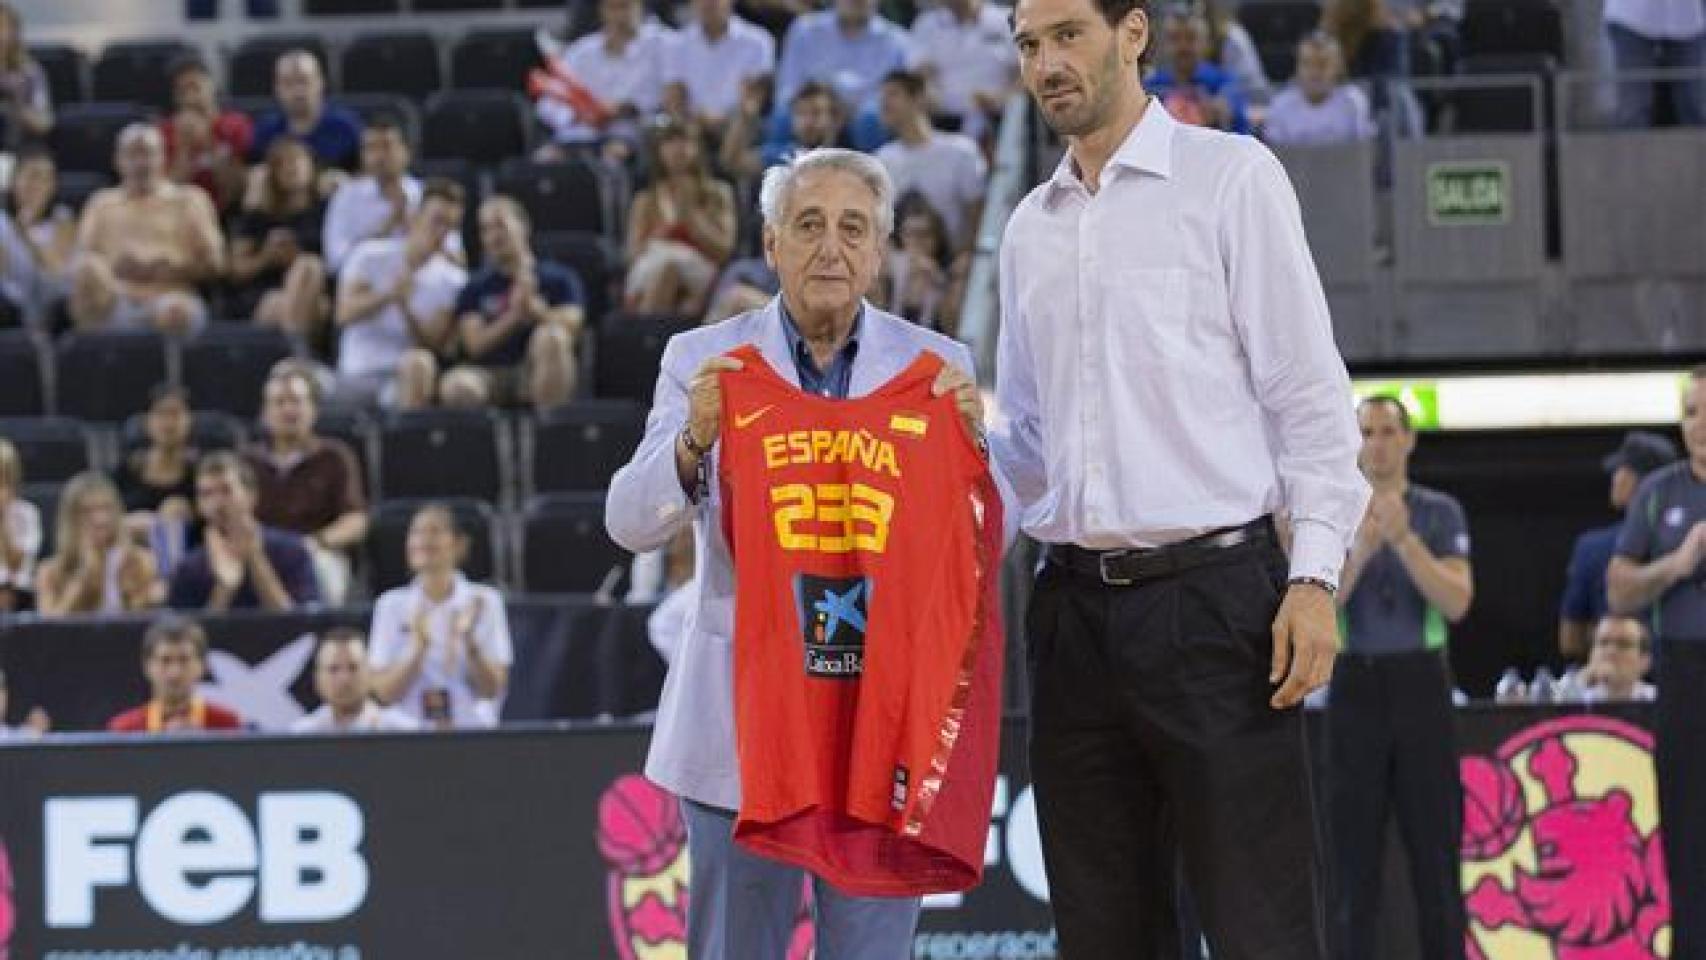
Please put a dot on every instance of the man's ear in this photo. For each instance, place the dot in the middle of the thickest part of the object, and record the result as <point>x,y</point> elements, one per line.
<point>1134,30</point>
<point>769,242</point>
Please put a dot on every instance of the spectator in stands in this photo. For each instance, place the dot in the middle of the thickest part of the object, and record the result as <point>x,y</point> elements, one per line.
<point>276,262</point>
<point>964,49</point>
<point>174,659</point>
<point>37,237</point>
<point>441,645</point>
<point>1653,34</point>
<point>746,284</point>
<point>96,567</point>
<point>1231,46</point>
<point>1439,24</point>
<point>1622,655</point>
<point>1318,107</point>
<point>332,132</point>
<point>344,682</point>
<point>816,118</point>
<point>206,146</point>
<point>518,320</point>
<point>623,67</point>
<point>36,723</point>
<point>394,306</point>
<point>159,477</point>
<point>740,152</point>
<point>241,564</point>
<point>947,169</point>
<point>20,534</point>
<point>1584,602</point>
<point>307,484</point>
<point>26,105</point>
<point>1193,89</point>
<point>713,59</point>
<point>681,229</point>
<point>923,281</point>
<point>144,246</point>
<point>1371,40</point>
<point>850,48</point>
<point>378,204</point>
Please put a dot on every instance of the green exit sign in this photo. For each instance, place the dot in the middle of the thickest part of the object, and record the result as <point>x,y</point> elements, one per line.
<point>1469,193</point>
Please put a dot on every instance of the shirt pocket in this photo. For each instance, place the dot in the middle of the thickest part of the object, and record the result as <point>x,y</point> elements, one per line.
<point>1146,314</point>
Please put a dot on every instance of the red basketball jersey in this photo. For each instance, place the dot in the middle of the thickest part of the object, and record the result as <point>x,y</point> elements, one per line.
<point>866,536</point>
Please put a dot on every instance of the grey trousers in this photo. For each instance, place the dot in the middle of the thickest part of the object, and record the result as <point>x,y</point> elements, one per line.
<point>745,907</point>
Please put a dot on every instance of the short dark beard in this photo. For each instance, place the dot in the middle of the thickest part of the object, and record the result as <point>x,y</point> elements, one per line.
<point>1100,106</point>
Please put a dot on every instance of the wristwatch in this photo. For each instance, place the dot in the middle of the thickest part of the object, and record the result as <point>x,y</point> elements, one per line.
<point>692,445</point>
<point>1327,585</point>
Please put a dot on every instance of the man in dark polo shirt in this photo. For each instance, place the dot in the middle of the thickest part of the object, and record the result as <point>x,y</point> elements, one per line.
<point>1390,743</point>
<point>1661,564</point>
<point>241,564</point>
<point>1583,604</point>
<point>309,485</point>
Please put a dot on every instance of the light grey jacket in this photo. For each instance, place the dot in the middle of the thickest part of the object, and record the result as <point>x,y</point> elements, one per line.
<point>693,742</point>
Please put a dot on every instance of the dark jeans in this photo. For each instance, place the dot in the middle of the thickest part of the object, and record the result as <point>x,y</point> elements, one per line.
<point>1681,759</point>
<point>1152,737</point>
<point>1391,747</point>
<point>1632,51</point>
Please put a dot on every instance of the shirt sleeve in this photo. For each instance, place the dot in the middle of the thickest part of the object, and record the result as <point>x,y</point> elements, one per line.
<point>1577,602</point>
<point>468,299</point>
<point>384,633</point>
<point>1016,440</point>
<point>296,569</point>
<point>1636,539</point>
<point>974,176</point>
<point>351,497</point>
<point>562,287</point>
<point>1280,312</point>
<point>1449,536</point>
<point>494,636</point>
<point>338,239</point>
<point>191,583</point>
<point>792,70</point>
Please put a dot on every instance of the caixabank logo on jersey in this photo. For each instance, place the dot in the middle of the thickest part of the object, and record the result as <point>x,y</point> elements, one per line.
<point>832,622</point>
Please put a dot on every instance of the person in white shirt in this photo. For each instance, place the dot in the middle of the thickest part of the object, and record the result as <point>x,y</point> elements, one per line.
<point>948,169</point>
<point>1171,391</point>
<point>1622,655</point>
<point>344,682</point>
<point>378,204</point>
<point>965,51</point>
<point>395,306</point>
<point>20,532</point>
<point>1658,34</point>
<point>1318,107</point>
<point>441,645</point>
<point>623,65</point>
<point>713,58</point>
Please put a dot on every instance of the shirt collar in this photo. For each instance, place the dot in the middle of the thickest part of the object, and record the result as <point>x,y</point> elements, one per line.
<point>797,347</point>
<point>1148,148</point>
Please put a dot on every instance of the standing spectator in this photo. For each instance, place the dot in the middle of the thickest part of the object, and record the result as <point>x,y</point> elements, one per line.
<point>681,229</point>
<point>36,722</point>
<point>1661,563</point>
<point>37,238</point>
<point>1439,24</point>
<point>1584,604</point>
<point>1371,40</point>
<point>964,49</point>
<point>816,119</point>
<point>1193,89</point>
<point>850,48</point>
<point>623,66</point>
<point>1230,46</point>
<point>1318,107</point>
<point>518,320</point>
<point>26,105</point>
<point>378,204</point>
<point>307,484</point>
<point>713,59</point>
<point>441,644</point>
<point>922,280</point>
<point>95,567</point>
<point>20,534</point>
<point>1390,739</point>
<point>241,565</point>
<point>344,682</point>
<point>206,146</point>
<point>276,262</point>
<point>395,298</point>
<point>332,132</point>
<point>1655,34</point>
<point>174,659</point>
<point>1622,655</point>
<point>145,245</point>
<point>947,169</point>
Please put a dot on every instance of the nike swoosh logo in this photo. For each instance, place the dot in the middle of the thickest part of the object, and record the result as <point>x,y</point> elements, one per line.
<point>742,422</point>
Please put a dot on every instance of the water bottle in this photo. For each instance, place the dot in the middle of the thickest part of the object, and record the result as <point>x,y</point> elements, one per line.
<point>1570,686</point>
<point>1511,689</point>
<point>1544,689</point>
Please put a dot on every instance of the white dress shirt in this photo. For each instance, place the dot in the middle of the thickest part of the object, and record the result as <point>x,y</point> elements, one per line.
<point>715,70</point>
<point>634,76</point>
<point>372,719</point>
<point>446,665</point>
<point>1166,363</point>
<point>1660,19</point>
<point>356,213</point>
<point>966,58</point>
<point>948,169</point>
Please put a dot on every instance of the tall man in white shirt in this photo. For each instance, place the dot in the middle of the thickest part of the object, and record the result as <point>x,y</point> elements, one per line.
<point>1168,376</point>
<point>712,59</point>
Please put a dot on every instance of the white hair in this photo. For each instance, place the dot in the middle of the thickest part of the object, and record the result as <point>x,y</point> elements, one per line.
<point>135,132</point>
<point>779,181</point>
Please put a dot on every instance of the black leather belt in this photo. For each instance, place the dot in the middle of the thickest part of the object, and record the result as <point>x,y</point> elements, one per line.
<point>1123,568</point>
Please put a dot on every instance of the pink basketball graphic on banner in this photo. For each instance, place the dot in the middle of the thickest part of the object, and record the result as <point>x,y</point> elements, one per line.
<point>1493,811</point>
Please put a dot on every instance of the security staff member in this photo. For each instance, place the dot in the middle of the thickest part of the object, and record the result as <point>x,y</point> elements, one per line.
<point>1659,564</point>
<point>1390,743</point>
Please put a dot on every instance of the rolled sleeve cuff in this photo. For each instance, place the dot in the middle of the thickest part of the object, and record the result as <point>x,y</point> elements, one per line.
<point>1317,551</point>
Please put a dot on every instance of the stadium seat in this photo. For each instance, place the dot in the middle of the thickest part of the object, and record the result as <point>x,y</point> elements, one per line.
<point>136,70</point>
<point>67,70</point>
<point>1513,26</point>
<point>1501,109</point>
<point>564,546</point>
<point>77,186</point>
<point>84,133</point>
<point>493,60</point>
<point>108,375</point>
<point>353,8</point>
<point>443,453</point>
<point>23,375</point>
<point>354,427</point>
<point>404,63</point>
<point>52,448</point>
<point>210,430</point>
<point>572,195</point>
<point>630,347</point>
<point>371,106</point>
<point>594,257</point>
<point>45,496</point>
<point>387,561</point>
<point>485,126</point>
<point>225,365</point>
<point>1275,27</point>
<point>578,447</point>
<point>249,69</point>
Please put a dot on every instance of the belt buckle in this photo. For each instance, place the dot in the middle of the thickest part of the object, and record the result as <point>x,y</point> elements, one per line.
<point>1109,579</point>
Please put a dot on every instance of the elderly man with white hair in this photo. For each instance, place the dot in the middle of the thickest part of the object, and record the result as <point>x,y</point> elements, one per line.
<point>827,217</point>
